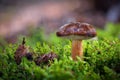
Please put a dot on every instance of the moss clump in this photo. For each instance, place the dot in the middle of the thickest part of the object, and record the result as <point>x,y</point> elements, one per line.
<point>101,60</point>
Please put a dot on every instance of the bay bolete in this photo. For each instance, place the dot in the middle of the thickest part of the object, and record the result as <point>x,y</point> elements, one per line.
<point>77,32</point>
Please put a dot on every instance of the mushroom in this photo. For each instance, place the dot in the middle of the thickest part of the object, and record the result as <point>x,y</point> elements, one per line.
<point>77,32</point>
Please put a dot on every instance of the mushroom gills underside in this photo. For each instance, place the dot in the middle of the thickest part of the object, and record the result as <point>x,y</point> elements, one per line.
<point>76,37</point>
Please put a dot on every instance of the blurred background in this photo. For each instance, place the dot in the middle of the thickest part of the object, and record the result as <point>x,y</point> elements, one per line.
<point>21,17</point>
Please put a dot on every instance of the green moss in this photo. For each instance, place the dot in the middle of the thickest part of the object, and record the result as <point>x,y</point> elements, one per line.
<point>101,59</point>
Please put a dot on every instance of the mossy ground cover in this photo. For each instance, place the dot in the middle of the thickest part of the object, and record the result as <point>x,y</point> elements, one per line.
<point>101,58</point>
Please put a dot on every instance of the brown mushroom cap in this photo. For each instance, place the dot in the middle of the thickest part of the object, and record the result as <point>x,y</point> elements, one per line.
<point>77,30</point>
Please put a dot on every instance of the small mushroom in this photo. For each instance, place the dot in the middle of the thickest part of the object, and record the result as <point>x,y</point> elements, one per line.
<point>77,32</point>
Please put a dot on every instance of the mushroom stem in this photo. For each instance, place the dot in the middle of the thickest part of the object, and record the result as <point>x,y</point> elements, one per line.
<point>77,49</point>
